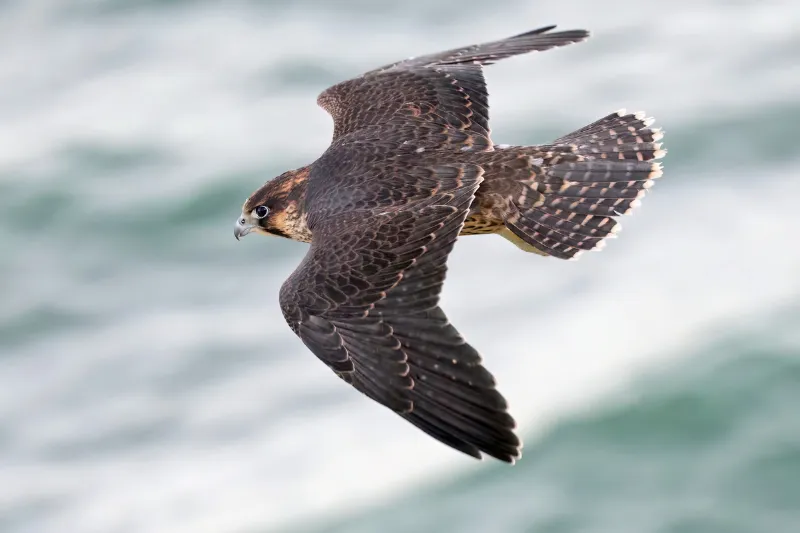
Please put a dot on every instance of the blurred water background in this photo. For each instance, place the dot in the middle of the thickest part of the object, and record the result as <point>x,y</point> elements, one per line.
<point>148,382</point>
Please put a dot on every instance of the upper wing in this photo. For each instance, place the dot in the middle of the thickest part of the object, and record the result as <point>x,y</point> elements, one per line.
<point>365,301</point>
<point>446,87</point>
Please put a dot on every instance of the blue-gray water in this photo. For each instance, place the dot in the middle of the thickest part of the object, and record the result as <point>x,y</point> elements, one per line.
<point>148,382</point>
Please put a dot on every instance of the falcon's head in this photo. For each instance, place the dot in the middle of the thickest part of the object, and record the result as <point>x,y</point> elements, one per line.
<point>277,208</point>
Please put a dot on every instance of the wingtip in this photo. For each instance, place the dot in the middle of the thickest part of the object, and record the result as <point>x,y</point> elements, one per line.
<point>580,34</point>
<point>507,458</point>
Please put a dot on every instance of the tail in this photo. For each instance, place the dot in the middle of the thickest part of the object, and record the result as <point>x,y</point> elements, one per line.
<point>566,196</point>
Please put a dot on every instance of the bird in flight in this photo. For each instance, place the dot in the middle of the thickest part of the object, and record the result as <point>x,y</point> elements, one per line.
<point>412,166</point>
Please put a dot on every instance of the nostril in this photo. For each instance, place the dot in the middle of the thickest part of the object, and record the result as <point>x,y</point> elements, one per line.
<point>242,221</point>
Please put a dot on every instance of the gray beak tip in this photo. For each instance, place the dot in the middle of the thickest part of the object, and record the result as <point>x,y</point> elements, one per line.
<point>241,228</point>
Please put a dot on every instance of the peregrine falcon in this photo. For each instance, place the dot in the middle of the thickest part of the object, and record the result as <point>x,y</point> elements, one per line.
<point>410,168</point>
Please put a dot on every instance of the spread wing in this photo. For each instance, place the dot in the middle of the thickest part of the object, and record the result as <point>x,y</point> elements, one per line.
<point>365,301</point>
<point>447,87</point>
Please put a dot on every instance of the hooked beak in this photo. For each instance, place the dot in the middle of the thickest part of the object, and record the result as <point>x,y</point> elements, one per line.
<point>241,228</point>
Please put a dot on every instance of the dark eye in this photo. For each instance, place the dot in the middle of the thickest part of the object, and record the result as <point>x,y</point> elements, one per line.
<point>261,211</point>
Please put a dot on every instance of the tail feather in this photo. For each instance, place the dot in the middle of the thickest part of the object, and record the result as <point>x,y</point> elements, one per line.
<point>608,207</point>
<point>576,186</point>
<point>586,225</point>
<point>644,151</point>
<point>599,190</point>
<point>539,241</point>
<point>620,126</point>
<point>591,172</point>
<point>547,230</point>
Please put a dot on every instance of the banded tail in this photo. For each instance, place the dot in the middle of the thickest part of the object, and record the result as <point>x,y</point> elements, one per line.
<point>563,198</point>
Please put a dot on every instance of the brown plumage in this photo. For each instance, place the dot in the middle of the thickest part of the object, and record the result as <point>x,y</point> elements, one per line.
<point>410,168</point>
